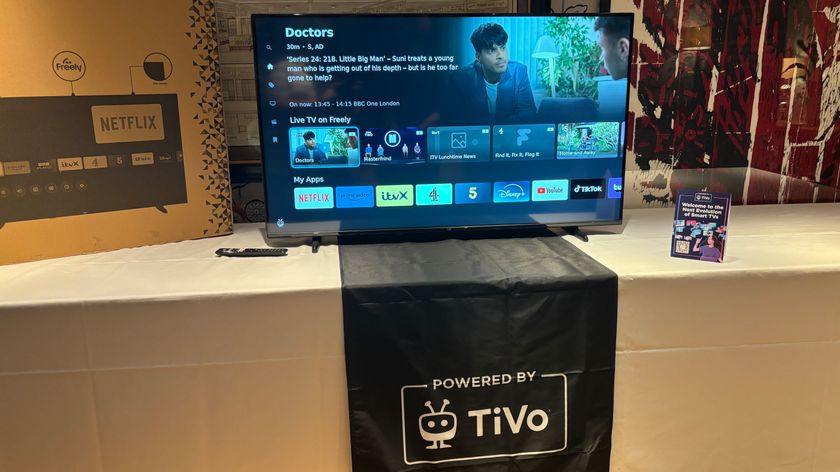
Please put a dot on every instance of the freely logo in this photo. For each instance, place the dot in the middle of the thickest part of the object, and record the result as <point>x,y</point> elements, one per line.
<point>549,190</point>
<point>473,423</point>
<point>434,194</point>
<point>614,188</point>
<point>280,223</point>
<point>354,197</point>
<point>703,197</point>
<point>472,192</point>
<point>507,192</point>
<point>313,198</point>
<point>394,195</point>
<point>69,66</point>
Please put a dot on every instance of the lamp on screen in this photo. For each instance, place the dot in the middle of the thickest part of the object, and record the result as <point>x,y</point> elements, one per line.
<point>546,49</point>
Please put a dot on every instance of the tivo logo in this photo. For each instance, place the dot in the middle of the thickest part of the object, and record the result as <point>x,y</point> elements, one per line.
<point>440,426</point>
<point>127,123</point>
<point>472,424</point>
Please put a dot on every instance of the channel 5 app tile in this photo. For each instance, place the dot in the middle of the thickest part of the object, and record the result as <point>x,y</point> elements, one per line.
<point>511,192</point>
<point>394,195</point>
<point>434,194</point>
<point>473,192</point>
<point>313,198</point>
<point>354,197</point>
<point>549,190</point>
<point>523,142</point>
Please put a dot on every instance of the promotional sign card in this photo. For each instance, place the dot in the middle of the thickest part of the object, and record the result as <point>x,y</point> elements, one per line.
<point>700,225</point>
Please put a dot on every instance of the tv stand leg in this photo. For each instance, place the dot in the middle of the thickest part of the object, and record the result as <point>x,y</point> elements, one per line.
<point>162,209</point>
<point>576,232</point>
<point>316,244</point>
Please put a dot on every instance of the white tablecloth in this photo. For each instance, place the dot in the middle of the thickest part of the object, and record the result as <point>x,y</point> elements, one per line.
<point>732,366</point>
<point>168,358</point>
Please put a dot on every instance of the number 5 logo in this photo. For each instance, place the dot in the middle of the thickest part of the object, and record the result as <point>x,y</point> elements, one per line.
<point>473,193</point>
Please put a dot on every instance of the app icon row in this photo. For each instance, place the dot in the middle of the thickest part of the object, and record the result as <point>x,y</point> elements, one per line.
<point>315,198</point>
<point>71,164</point>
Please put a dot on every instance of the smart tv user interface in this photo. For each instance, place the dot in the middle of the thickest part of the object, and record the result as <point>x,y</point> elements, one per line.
<point>410,122</point>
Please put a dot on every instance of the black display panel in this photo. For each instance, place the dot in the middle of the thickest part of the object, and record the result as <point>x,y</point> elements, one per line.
<point>372,123</point>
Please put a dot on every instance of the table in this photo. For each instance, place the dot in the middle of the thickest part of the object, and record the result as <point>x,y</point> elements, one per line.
<point>167,358</point>
<point>733,366</point>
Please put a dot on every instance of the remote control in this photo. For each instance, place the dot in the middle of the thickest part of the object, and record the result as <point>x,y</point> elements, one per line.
<point>252,252</point>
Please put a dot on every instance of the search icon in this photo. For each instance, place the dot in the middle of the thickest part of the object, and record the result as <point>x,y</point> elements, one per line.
<point>268,46</point>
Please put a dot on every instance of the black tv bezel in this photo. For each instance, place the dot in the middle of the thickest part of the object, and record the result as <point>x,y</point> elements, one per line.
<point>272,234</point>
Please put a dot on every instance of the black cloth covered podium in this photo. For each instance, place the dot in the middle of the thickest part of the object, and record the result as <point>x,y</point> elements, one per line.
<point>486,355</point>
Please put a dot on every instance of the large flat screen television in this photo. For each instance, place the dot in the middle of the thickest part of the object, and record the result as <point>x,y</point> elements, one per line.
<point>371,123</point>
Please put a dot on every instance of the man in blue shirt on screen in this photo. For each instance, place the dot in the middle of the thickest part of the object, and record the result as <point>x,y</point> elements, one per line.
<point>492,88</point>
<point>308,152</point>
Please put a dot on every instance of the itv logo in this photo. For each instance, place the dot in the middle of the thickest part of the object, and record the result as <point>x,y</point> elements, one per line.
<point>394,195</point>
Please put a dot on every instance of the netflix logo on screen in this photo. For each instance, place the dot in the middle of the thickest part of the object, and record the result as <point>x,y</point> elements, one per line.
<point>313,198</point>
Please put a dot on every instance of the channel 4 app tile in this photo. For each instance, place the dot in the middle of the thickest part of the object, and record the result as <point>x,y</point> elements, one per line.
<point>588,188</point>
<point>614,188</point>
<point>433,194</point>
<point>459,144</point>
<point>313,198</point>
<point>394,195</point>
<point>523,142</point>
<point>511,192</point>
<point>549,190</point>
<point>473,192</point>
<point>354,197</point>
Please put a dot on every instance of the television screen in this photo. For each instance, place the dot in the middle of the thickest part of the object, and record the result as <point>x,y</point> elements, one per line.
<point>372,123</point>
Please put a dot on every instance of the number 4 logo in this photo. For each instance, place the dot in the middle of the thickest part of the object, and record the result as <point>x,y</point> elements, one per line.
<point>433,195</point>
